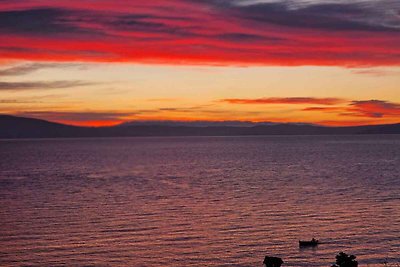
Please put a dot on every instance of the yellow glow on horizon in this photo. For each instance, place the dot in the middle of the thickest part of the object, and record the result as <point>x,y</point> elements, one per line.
<point>193,92</point>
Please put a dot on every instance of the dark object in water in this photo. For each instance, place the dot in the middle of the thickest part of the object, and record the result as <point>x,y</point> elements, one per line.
<point>272,261</point>
<point>312,243</point>
<point>344,260</point>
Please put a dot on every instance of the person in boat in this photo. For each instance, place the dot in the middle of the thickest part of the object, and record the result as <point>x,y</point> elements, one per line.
<point>313,242</point>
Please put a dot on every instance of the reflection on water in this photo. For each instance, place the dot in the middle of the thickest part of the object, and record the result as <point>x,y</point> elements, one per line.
<point>214,201</point>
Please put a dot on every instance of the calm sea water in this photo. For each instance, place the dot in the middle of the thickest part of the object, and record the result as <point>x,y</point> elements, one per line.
<point>204,201</point>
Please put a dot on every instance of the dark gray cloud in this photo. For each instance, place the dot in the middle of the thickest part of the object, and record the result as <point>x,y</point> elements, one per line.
<point>37,21</point>
<point>51,21</point>
<point>19,86</point>
<point>148,23</point>
<point>360,15</point>
<point>287,32</point>
<point>367,15</point>
<point>61,21</point>
<point>245,37</point>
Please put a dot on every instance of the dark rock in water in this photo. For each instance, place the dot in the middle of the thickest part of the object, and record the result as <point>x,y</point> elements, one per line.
<point>344,260</point>
<point>272,261</point>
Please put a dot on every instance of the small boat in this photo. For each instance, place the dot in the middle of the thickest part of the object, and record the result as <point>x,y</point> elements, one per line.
<point>312,243</point>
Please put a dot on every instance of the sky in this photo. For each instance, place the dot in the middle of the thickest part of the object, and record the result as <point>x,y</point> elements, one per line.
<point>104,62</point>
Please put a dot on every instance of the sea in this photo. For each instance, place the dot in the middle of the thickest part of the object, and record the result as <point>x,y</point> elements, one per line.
<point>199,201</point>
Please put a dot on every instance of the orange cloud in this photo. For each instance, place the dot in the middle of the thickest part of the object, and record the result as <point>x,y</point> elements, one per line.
<point>354,112</point>
<point>285,100</point>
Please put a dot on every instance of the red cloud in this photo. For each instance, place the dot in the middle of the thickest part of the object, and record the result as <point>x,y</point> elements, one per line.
<point>374,109</point>
<point>324,109</point>
<point>199,32</point>
<point>365,108</point>
<point>286,100</point>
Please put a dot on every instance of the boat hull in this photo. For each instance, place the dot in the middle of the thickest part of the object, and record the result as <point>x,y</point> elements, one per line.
<point>308,243</point>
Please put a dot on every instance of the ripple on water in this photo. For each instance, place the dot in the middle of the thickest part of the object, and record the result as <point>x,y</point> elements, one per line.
<point>199,201</point>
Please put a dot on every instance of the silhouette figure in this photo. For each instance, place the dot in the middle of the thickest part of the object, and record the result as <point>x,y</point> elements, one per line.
<point>313,243</point>
<point>272,261</point>
<point>344,260</point>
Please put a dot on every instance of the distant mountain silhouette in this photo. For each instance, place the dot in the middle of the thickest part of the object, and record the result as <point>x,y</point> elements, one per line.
<point>196,123</point>
<point>19,127</point>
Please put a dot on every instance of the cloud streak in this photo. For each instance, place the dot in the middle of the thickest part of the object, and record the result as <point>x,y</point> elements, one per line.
<point>344,112</point>
<point>20,86</point>
<point>362,108</point>
<point>337,107</point>
<point>341,33</point>
<point>284,100</point>
<point>373,109</point>
<point>23,69</point>
<point>371,16</point>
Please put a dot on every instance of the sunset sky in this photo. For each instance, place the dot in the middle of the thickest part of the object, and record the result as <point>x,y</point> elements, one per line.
<point>329,62</point>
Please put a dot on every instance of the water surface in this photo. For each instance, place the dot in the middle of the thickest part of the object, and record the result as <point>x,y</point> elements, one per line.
<point>199,201</point>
